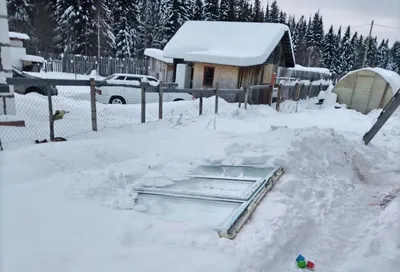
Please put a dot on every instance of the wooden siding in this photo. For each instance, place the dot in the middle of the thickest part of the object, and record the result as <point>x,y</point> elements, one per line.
<point>227,76</point>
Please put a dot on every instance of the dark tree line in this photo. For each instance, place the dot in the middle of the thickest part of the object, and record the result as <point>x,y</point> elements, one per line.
<point>125,28</point>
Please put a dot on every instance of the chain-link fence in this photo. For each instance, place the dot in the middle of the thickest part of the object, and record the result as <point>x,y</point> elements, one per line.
<point>51,108</point>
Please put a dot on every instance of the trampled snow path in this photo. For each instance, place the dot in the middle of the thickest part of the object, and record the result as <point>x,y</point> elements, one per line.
<point>69,205</point>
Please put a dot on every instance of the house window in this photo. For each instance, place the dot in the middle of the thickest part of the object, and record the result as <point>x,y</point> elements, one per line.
<point>208,76</point>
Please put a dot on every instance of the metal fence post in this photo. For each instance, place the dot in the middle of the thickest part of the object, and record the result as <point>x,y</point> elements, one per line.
<point>160,101</point>
<point>279,97</point>
<point>143,110</point>
<point>201,104</point>
<point>93,104</point>
<point>216,96</point>
<point>246,97</point>
<point>51,119</point>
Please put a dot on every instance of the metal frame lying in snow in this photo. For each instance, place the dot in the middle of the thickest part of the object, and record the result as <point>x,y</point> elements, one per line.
<point>248,202</point>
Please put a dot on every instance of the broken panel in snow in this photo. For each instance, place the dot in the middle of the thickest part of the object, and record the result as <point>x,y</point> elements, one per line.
<point>222,197</point>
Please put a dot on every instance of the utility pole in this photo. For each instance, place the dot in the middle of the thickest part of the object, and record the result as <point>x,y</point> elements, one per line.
<point>98,39</point>
<point>367,47</point>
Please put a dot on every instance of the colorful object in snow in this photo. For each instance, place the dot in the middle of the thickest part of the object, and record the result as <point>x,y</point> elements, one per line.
<point>302,264</point>
<point>310,265</point>
<point>300,258</point>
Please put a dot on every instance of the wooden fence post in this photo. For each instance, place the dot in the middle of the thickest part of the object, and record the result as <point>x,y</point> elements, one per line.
<point>143,102</point>
<point>160,101</point>
<point>279,98</point>
<point>309,90</point>
<point>216,96</point>
<point>93,104</point>
<point>201,103</point>
<point>297,98</point>
<point>51,119</point>
<point>246,97</point>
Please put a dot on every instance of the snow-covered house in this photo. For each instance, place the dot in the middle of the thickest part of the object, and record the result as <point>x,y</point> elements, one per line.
<point>366,89</point>
<point>19,58</point>
<point>159,66</point>
<point>234,54</point>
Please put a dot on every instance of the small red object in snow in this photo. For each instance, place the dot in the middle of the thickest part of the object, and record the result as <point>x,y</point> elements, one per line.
<point>310,265</point>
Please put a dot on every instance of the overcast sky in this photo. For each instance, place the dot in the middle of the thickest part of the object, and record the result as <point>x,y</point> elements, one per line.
<point>350,12</point>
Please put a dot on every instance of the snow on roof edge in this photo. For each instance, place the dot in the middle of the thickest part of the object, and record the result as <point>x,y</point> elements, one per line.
<point>32,58</point>
<point>391,77</point>
<point>157,54</point>
<point>18,35</point>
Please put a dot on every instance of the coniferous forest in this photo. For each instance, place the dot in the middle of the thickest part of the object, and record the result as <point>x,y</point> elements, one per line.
<point>125,28</point>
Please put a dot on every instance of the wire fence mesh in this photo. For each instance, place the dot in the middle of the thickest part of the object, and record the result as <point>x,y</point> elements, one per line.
<point>71,111</point>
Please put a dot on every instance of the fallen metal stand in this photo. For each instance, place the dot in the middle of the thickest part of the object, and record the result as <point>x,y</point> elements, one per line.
<point>390,108</point>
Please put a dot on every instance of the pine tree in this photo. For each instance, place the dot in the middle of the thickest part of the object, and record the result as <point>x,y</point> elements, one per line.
<point>395,57</point>
<point>232,10</point>
<point>125,28</point>
<point>282,17</point>
<point>328,51</point>
<point>198,12</point>
<point>336,66</point>
<point>185,12</point>
<point>372,52</point>
<point>224,10</point>
<point>107,37</point>
<point>354,43</point>
<point>301,41</point>
<point>347,53</point>
<point>274,12</point>
<point>267,16</point>
<point>257,13</point>
<point>150,27</point>
<point>382,57</point>
<point>20,14</point>
<point>211,8</point>
<point>168,21</point>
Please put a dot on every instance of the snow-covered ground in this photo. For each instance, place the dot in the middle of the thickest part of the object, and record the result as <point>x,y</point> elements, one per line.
<point>69,206</point>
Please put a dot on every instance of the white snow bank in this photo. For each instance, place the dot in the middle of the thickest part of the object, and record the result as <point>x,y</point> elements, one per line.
<point>32,58</point>
<point>71,204</point>
<point>157,54</point>
<point>220,43</point>
<point>17,35</point>
<point>391,77</point>
<point>312,69</point>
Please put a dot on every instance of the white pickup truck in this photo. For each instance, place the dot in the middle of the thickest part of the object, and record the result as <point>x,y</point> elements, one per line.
<point>132,95</point>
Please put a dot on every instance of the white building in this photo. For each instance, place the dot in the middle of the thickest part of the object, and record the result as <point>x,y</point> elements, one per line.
<point>7,102</point>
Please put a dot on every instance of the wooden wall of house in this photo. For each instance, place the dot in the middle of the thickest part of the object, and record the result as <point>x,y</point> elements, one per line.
<point>278,56</point>
<point>161,70</point>
<point>227,76</point>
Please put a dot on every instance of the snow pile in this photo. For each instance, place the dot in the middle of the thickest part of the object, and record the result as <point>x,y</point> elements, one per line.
<point>312,69</point>
<point>157,54</point>
<point>71,204</point>
<point>32,58</point>
<point>218,42</point>
<point>18,36</point>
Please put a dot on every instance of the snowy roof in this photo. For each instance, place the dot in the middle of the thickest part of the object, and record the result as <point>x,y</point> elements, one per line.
<point>157,54</point>
<point>32,58</point>
<point>18,36</point>
<point>229,43</point>
<point>312,69</point>
<point>391,77</point>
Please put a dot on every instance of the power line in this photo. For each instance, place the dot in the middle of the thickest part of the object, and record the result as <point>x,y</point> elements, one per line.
<point>392,27</point>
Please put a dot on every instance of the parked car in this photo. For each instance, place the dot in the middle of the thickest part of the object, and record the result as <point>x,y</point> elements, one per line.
<point>132,95</point>
<point>32,88</point>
